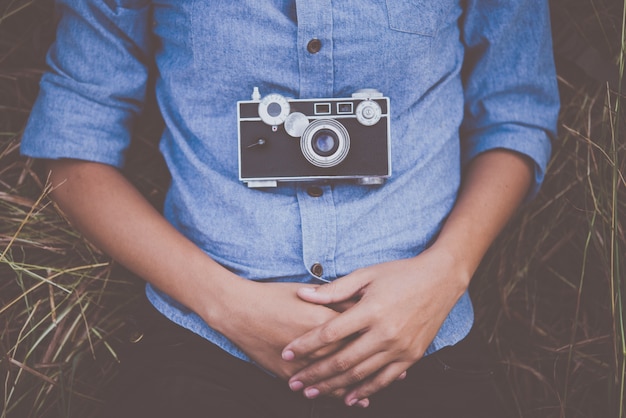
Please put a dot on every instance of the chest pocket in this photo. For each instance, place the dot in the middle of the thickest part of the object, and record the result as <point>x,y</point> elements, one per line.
<point>422,17</point>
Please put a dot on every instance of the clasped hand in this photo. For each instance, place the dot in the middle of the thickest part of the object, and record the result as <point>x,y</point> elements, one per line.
<point>395,310</point>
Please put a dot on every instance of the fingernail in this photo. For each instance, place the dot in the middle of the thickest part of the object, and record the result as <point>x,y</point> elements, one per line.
<point>307,289</point>
<point>311,393</point>
<point>288,355</point>
<point>402,376</point>
<point>363,403</point>
<point>296,385</point>
<point>352,401</point>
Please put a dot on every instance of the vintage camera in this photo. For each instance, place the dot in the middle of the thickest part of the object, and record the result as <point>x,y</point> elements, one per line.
<point>284,139</point>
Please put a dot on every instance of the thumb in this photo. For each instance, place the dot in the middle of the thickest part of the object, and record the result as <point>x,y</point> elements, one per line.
<point>340,290</point>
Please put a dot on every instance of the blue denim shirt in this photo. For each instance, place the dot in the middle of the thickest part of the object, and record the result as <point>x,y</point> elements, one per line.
<point>463,77</point>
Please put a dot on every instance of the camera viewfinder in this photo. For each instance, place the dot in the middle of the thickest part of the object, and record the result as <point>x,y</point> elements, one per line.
<point>344,108</point>
<point>322,108</point>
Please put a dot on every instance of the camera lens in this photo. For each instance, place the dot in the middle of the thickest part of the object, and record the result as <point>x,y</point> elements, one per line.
<point>325,143</point>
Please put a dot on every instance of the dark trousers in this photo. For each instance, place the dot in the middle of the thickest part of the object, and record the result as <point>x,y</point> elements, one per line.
<point>171,372</point>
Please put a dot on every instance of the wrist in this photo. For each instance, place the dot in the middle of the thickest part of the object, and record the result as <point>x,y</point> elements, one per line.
<point>211,292</point>
<point>457,261</point>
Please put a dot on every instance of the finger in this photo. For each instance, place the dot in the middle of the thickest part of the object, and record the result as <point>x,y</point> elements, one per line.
<point>340,394</point>
<point>356,360</point>
<point>332,332</point>
<point>343,306</point>
<point>348,378</point>
<point>339,290</point>
<point>376,382</point>
<point>325,351</point>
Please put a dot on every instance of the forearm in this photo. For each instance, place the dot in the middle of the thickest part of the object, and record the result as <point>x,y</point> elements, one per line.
<point>261,318</point>
<point>111,213</point>
<point>494,185</point>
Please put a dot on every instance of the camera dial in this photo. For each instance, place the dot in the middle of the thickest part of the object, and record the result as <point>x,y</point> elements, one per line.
<point>368,112</point>
<point>325,143</point>
<point>274,109</point>
<point>296,123</point>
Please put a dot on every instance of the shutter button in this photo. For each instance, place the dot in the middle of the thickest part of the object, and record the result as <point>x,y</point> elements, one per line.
<point>317,270</point>
<point>314,191</point>
<point>314,46</point>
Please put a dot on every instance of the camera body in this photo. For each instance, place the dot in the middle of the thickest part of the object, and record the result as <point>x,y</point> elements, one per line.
<point>282,140</point>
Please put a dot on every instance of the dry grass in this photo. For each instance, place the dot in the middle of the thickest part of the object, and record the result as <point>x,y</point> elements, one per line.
<point>549,295</point>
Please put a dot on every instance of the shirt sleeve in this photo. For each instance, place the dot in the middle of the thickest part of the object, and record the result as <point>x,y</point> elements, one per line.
<point>95,84</point>
<point>511,93</point>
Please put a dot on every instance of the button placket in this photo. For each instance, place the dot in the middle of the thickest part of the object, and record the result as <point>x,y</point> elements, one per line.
<point>315,29</point>
<point>319,230</point>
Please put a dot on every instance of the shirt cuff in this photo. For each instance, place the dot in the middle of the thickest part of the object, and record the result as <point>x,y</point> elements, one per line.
<point>69,125</point>
<point>533,143</point>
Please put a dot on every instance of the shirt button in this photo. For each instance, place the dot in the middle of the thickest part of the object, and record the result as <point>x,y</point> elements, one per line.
<point>314,46</point>
<point>317,270</point>
<point>314,191</point>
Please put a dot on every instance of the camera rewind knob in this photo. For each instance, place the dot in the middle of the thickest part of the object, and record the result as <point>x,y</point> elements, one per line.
<point>274,109</point>
<point>367,94</point>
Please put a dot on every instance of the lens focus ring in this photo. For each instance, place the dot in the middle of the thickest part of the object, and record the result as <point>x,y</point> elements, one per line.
<point>329,130</point>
